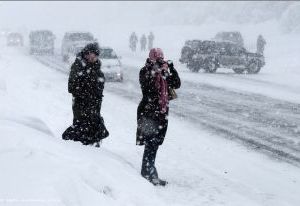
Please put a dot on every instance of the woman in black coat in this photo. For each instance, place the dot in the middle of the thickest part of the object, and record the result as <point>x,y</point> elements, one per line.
<point>158,79</point>
<point>86,84</point>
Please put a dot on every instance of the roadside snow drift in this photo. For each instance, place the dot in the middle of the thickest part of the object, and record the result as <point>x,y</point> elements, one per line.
<point>39,168</point>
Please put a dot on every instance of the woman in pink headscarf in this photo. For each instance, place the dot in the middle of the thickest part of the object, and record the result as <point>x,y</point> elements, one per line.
<point>157,79</point>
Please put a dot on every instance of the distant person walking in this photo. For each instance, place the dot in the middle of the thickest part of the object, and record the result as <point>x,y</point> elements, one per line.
<point>133,39</point>
<point>158,79</point>
<point>143,42</point>
<point>150,40</point>
<point>260,45</point>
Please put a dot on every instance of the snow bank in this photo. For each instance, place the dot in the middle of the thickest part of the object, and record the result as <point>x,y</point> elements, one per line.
<point>38,168</point>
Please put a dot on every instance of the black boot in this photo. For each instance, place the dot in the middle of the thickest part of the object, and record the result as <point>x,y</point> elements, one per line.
<point>149,171</point>
<point>159,182</point>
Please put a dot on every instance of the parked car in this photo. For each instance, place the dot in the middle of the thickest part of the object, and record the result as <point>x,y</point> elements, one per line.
<point>211,55</point>
<point>14,39</point>
<point>74,42</point>
<point>41,42</point>
<point>111,64</point>
<point>4,32</point>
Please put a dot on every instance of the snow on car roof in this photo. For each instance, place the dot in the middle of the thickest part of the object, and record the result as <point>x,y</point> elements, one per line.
<point>105,47</point>
<point>80,32</point>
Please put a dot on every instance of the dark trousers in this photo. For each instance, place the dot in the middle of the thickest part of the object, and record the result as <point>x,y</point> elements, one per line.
<point>148,165</point>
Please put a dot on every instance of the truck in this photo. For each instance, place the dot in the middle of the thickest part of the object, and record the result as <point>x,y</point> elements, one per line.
<point>41,42</point>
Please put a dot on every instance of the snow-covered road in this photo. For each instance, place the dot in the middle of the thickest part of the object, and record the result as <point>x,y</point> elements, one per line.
<point>264,123</point>
<point>203,168</point>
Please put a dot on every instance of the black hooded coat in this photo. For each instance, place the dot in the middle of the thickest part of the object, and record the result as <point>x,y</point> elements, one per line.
<point>86,84</point>
<point>151,123</point>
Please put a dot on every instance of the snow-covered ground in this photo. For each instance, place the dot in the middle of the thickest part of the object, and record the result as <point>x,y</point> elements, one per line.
<point>39,168</point>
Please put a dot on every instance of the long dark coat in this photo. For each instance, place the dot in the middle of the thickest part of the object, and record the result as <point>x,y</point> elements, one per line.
<point>86,84</point>
<point>151,123</point>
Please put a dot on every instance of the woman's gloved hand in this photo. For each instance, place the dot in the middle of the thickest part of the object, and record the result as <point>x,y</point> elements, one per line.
<point>170,64</point>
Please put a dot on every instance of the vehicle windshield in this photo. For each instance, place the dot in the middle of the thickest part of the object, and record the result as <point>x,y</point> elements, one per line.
<point>233,37</point>
<point>42,36</point>
<point>107,54</point>
<point>81,37</point>
<point>15,35</point>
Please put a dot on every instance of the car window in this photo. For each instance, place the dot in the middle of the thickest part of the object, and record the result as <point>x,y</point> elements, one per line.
<point>81,37</point>
<point>107,54</point>
<point>234,37</point>
<point>42,35</point>
<point>15,35</point>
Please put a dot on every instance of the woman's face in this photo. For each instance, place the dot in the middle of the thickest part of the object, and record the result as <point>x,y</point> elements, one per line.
<point>160,61</point>
<point>91,57</point>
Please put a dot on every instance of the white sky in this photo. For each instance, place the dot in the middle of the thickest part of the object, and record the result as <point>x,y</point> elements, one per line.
<point>83,13</point>
<point>124,16</point>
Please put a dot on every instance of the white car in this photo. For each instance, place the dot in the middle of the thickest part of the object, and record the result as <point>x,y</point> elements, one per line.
<point>14,39</point>
<point>111,64</point>
<point>74,42</point>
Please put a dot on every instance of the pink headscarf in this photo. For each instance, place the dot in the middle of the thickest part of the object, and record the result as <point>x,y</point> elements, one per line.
<point>162,86</point>
<point>160,82</point>
<point>156,53</point>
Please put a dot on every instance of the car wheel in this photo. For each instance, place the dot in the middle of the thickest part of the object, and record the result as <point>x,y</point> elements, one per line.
<point>238,70</point>
<point>210,65</point>
<point>186,54</point>
<point>253,67</point>
<point>194,68</point>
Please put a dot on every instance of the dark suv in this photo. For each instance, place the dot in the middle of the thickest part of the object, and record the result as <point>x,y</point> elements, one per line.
<point>41,42</point>
<point>210,55</point>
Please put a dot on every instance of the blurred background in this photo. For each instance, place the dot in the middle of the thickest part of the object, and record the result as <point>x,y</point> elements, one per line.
<point>171,22</point>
